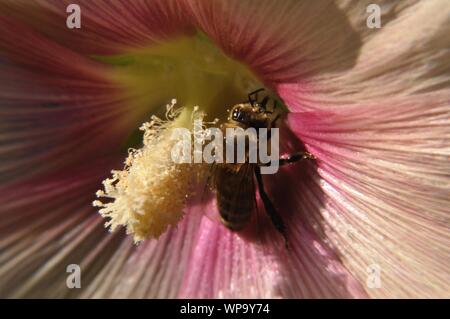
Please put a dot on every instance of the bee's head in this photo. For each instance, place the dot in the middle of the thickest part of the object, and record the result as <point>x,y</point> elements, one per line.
<point>249,115</point>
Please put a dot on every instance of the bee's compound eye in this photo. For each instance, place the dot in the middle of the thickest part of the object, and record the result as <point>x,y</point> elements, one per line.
<point>236,114</point>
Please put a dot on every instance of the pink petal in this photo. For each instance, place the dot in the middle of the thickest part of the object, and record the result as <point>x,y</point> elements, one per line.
<point>224,265</point>
<point>384,187</point>
<point>154,269</point>
<point>381,135</point>
<point>107,26</point>
<point>282,41</point>
<point>51,107</point>
<point>45,226</point>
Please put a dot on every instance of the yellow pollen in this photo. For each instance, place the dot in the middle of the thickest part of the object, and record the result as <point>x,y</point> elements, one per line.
<point>149,194</point>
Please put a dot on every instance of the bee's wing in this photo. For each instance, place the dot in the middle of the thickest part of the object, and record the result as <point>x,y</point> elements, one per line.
<point>208,183</point>
<point>257,227</point>
<point>208,195</point>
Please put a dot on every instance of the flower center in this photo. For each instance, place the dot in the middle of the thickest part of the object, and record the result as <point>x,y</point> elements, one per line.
<point>191,69</point>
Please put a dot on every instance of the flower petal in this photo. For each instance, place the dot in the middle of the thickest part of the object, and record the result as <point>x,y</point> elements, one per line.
<point>381,136</point>
<point>51,107</point>
<point>223,265</point>
<point>46,226</point>
<point>388,64</point>
<point>284,41</point>
<point>154,269</point>
<point>384,178</point>
<point>106,26</point>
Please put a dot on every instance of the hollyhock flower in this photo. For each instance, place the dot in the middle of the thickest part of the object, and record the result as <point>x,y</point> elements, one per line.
<point>367,218</point>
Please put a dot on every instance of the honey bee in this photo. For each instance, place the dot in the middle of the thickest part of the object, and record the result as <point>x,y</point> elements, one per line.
<point>234,183</point>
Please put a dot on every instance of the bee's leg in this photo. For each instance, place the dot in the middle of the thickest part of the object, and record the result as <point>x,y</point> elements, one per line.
<point>295,158</point>
<point>270,209</point>
<point>275,105</point>
<point>264,102</point>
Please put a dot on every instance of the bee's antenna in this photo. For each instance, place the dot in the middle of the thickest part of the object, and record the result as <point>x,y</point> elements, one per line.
<point>250,98</point>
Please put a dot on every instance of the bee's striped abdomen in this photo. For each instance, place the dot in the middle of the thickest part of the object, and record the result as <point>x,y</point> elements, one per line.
<point>235,195</point>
